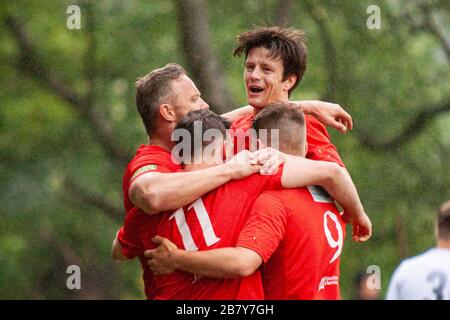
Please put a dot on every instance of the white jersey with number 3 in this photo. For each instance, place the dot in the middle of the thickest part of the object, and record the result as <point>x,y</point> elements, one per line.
<point>423,277</point>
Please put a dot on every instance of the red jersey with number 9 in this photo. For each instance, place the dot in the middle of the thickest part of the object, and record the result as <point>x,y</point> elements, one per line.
<point>299,234</point>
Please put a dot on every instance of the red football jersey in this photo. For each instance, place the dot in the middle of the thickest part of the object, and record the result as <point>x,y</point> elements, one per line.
<point>147,158</point>
<point>319,144</point>
<point>211,222</point>
<point>299,234</point>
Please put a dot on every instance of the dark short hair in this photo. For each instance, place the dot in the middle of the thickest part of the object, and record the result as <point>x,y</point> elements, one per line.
<point>288,119</point>
<point>153,90</point>
<point>443,221</point>
<point>208,120</point>
<point>286,44</point>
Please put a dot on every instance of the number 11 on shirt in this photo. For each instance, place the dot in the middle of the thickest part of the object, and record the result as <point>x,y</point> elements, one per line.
<point>205,223</point>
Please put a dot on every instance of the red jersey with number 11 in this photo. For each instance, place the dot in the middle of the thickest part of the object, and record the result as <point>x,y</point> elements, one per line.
<point>213,221</point>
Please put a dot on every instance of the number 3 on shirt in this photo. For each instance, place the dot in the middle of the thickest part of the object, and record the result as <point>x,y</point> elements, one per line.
<point>205,223</point>
<point>340,238</point>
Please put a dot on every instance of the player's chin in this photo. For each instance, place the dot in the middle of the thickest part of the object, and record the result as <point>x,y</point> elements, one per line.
<point>257,102</point>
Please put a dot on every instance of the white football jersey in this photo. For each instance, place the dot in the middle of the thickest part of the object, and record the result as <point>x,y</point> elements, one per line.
<point>423,277</point>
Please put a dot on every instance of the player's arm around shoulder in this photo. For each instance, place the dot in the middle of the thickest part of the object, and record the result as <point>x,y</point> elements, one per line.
<point>144,192</point>
<point>156,192</point>
<point>329,114</point>
<point>239,112</point>
<point>301,172</point>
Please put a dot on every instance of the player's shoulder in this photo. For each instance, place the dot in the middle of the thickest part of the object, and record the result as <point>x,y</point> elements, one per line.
<point>416,263</point>
<point>284,195</point>
<point>285,198</point>
<point>315,128</point>
<point>312,121</point>
<point>242,122</point>
<point>151,150</point>
<point>310,194</point>
<point>151,157</point>
<point>270,198</point>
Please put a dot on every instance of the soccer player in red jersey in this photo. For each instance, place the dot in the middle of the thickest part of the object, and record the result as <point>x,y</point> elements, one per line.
<point>274,66</point>
<point>214,220</point>
<point>298,233</point>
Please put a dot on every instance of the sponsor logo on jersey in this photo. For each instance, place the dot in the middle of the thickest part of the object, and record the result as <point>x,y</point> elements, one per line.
<point>319,194</point>
<point>328,281</point>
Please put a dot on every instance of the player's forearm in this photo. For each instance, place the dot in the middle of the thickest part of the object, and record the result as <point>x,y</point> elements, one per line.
<point>242,111</point>
<point>308,106</point>
<point>343,190</point>
<point>170,191</point>
<point>301,172</point>
<point>216,263</point>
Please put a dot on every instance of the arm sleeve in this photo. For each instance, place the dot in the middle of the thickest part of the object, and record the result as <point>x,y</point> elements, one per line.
<point>148,164</point>
<point>265,226</point>
<point>129,235</point>
<point>319,144</point>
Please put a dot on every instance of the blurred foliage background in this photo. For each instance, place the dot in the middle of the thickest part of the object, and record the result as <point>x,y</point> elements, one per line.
<point>68,122</point>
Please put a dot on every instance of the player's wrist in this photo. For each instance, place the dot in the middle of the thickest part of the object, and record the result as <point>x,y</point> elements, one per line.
<point>176,258</point>
<point>355,215</point>
<point>227,171</point>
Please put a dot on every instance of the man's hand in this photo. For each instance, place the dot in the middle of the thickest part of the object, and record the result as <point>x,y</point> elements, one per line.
<point>160,258</point>
<point>241,165</point>
<point>330,114</point>
<point>362,227</point>
<point>270,159</point>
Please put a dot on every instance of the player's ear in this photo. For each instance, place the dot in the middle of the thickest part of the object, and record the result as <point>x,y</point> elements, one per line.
<point>289,82</point>
<point>306,148</point>
<point>167,111</point>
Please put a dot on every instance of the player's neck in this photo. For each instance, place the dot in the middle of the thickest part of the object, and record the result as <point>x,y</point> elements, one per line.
<point>162,134</point>
<point>155,140</point>
<point>257,110</point>
<point>443,244</point>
